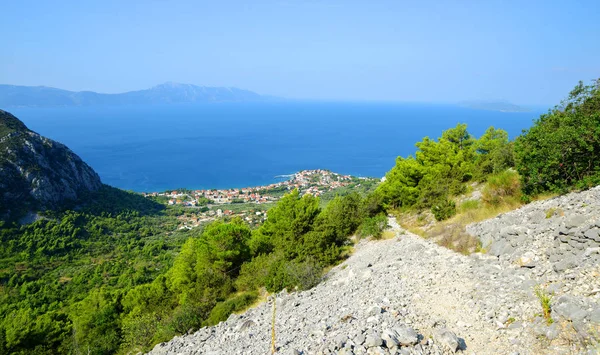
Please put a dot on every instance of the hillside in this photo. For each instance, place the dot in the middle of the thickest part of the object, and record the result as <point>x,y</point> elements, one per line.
<point>41,96</point>
<point>37,172</point>
<point>407,295</point>
<point>501,106</point>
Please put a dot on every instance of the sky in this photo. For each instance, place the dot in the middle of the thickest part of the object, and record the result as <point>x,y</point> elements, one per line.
<point>526,52</point>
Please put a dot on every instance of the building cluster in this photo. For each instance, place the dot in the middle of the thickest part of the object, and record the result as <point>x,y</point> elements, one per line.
<point>313,182</point>
<point>189,221</point>
<point>211,204</point>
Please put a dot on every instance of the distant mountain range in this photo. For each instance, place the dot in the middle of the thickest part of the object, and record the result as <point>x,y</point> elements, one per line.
<point>502,106</point>
<point>42,96</point>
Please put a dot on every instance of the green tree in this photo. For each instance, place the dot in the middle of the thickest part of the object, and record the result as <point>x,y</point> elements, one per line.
<point>562,149</point>
<point>286,225</point>
<point>495,152</point>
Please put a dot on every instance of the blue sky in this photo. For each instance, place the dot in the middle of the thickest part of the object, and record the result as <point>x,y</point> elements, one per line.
<point>527,52</point>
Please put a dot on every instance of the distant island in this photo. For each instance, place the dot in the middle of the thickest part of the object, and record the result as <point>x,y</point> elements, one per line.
<point>501,106</point>
<point>43,96</point>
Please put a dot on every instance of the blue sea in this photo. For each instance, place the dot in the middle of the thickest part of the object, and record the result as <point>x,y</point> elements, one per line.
<point>224,145</point>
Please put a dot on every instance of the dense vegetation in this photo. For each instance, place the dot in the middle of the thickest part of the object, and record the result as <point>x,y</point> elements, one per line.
<point>560,152</point>
<point>562,149</point>
<point>440,169</point>
<point>114,275</point>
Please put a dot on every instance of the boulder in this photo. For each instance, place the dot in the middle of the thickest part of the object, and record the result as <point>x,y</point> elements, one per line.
<point>594,315</point>
<point>575,221</point>
<point>565,264</point>
<point>373,340</point>
<point>446,338</point>
<point>569,308</point>
<point>406,336</point>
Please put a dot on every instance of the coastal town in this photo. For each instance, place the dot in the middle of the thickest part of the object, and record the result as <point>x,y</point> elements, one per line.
<point>251,203</point>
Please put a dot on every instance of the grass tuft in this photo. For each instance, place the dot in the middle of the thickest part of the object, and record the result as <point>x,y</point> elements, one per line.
<point>545,301</point>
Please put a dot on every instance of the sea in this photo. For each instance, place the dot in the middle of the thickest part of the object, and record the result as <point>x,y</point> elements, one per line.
<point>228,145</point>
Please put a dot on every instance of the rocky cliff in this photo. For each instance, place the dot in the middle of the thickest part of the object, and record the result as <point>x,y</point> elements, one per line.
<point>38,173</point>
<point>408,295</point>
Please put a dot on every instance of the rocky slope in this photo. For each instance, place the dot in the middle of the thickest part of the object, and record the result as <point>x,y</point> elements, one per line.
<point>37,172</point>
<point>408,295</point>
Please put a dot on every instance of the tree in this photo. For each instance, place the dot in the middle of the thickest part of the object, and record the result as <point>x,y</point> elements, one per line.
<point>286,225</point>
<point>561,150</point>
<point>495,152</point>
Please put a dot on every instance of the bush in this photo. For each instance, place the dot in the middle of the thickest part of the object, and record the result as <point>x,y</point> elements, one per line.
<point>439,169</point>
<point>500,187</point>
<point>444,210</point>
<point>254,274</point>
<point>562,149</point>
<point>275,273</point>
<point>373,227</point>
<point>294,274</point>
<point>224,309</point>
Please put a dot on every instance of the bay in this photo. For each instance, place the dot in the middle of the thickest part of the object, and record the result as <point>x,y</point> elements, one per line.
<point>224,145</point>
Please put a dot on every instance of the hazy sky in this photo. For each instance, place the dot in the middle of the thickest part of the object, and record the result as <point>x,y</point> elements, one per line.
<point>529,52</point>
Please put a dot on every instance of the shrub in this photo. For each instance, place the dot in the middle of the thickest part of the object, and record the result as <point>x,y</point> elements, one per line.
<point>439,169</point>
<point>293,274</point>
<point>469,205</point>
<point>254,274</point>
<point>545,301</point>
<point>454,236</point>
<point>224,309</point>
<point>444,210</point>
<point>275,273</point>
<point>373,227</point>
<point>561,150</point>
<point>500,187</point>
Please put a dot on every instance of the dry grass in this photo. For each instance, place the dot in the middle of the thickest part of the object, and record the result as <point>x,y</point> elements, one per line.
<point>500,194</point>
<point>577,343</point>
<point>452,233</point>
<point>454,236</point>
<point>388,234</point>
<point>64,279</point>
<point>263,295</point>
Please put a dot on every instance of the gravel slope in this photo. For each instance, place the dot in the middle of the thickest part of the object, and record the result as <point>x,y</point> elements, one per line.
<point>407,295</point>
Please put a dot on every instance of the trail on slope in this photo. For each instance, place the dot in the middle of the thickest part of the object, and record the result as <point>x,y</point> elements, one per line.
<point>385,287</point>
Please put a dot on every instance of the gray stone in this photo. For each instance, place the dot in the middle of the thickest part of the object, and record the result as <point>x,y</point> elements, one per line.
<point>564,231</point>
<point>554,287</point>
<point>446,338</point>
<point>249,323</point>
<point>569,308</point>
<point>565,264</point>
<point>564,238</point>
<point>501,247</point>
<point>591,234</point>
<point>509,230</point>
<point>594,315</point>
<point>373,340</point>
<point>576,244</point>
<point>575,221</point>
<point>391,338</point>
<point>554,258</point>
<point>406,335</point>
<point>497,247</point>
<point>553,331</point>
<point>340,341</point>
<point>359,339</point>
<point>374,310</point>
